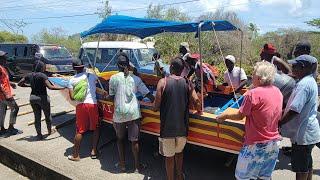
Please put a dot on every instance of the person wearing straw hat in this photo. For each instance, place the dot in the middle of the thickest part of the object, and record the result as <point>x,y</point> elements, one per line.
<point>234,76</point>
<point>6,98</point>
<point>188,62</point>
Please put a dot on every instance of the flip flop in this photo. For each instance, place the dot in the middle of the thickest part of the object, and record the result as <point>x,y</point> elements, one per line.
<point>94,156</point>
<point>53,130</point>
<point>71,158</point>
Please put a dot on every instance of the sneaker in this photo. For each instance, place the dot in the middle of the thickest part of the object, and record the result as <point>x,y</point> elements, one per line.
<point>3,132</point>
<point>39,137</point>
<point>13,131</point>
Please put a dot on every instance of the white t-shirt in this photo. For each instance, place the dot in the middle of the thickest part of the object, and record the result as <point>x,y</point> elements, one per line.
<point>140,87</point>
<point>126,106</point>
<point>91,92</point>
<point>234,77</point>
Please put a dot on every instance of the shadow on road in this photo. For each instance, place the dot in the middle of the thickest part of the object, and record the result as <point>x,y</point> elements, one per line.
<point>199,163</point>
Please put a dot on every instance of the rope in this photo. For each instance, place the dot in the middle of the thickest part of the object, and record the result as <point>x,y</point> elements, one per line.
<point>84,49</point>
<point>233,89</point>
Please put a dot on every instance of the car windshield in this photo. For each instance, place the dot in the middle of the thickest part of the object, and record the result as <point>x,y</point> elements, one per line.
<point>144,55</point>
<point>55,52</point>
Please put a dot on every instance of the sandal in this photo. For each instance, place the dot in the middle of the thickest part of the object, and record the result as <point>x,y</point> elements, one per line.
<point>71,158</point>
<point>122,169</point>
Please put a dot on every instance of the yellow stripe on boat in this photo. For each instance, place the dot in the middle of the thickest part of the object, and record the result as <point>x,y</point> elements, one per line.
<point>149,111</point>
<point>234,129</point>
<point>203,131</point>
<point>150,120</point>
<point>225,136</point>
<point>199,121</point>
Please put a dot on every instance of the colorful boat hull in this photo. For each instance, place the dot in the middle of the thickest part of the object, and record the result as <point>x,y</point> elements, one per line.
<point>203,129</point>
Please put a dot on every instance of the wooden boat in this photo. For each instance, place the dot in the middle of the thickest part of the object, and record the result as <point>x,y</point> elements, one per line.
<point>203,129</point>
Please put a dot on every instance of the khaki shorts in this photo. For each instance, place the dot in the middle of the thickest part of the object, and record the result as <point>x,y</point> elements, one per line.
<point>168,147</point>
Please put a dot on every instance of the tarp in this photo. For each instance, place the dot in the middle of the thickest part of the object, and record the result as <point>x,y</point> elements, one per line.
<point>118,24</point>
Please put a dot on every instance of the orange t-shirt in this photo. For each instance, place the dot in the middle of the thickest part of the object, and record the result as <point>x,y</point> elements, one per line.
<point>5,88</point>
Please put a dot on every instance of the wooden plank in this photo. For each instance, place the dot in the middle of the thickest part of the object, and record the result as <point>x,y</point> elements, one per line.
<point>53,115</point>
<point>24,104</point>
<point>25,112</point>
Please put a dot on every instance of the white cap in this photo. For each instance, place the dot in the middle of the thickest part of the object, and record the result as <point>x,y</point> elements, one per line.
<point>38,55</point>
<point>231,58</point>
<point>185,45</point>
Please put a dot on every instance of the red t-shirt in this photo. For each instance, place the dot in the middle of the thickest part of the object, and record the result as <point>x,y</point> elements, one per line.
<point>5,88</point>
<point>262,107</point>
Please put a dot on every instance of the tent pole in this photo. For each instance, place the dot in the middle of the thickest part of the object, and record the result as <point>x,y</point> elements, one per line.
<point>96,54</point>
<point>201,70</point>
<point>241,52</point>
<point>93,66</point>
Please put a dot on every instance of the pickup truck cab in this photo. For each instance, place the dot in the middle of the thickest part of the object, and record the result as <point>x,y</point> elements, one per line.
<point>21,58</point>
<point>140,55</point>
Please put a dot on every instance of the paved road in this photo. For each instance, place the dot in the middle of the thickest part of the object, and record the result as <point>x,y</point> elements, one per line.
<point>9,174</point>
<point>200,163</point>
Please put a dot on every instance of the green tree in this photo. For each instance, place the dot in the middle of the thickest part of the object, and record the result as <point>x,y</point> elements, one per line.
<point>58,36</point>
<point>314,22</point>
<point>8,37</point>
<point>155,11</point>
<point>105,10</point>
<point>253,29</point>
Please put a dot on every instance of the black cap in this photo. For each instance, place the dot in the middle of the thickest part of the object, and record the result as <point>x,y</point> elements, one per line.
<point>77,64</point>
<point>2,53</point>
<point>123,59</point>
<point>303,45</point>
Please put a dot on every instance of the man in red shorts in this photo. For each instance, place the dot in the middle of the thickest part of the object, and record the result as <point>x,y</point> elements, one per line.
<point>87,116</point>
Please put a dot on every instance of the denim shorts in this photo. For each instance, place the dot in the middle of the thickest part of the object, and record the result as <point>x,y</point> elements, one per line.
<point>257,160</point>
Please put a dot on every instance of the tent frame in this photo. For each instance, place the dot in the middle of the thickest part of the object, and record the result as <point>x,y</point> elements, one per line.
<point>200,52</point>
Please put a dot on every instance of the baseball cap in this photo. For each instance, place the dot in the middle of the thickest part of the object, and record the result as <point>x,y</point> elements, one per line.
<point>2,53</point>
<point>231,58</point>
<point>195,56</point>
<point>303,45</point>
<point>185,45</point>
<point>77,64</point>
<point>304,58</point>
<point>268,49</point>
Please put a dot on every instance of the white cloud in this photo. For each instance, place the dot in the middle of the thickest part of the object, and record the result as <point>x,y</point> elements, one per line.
<point>295,7</point>
<point>229,5</point>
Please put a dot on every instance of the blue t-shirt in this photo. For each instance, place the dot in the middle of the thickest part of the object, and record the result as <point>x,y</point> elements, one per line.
<point>304,128</point>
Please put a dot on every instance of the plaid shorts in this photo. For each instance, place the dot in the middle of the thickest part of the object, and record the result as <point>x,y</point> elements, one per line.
<point>257,160</point>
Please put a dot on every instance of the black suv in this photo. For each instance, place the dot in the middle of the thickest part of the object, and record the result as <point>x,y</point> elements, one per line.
<point>21,58</point>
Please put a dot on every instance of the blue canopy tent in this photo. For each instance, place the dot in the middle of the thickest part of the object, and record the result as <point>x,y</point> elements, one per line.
<point>142,28</point>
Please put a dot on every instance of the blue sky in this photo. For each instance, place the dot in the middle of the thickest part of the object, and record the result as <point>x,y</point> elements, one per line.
<point>269,15</point>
